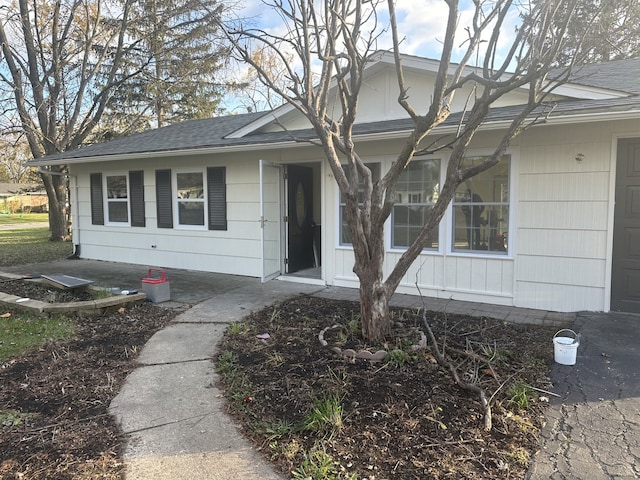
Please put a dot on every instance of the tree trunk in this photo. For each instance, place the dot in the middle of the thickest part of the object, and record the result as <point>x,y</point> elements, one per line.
<point>374,309</point>
<point>55,186</point>
<point>374,296</point>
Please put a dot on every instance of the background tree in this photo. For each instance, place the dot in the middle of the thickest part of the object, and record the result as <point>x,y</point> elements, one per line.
<point>603,30</point>
<point>249,93</point>
<point>52,55</point>
<point>65,65</point>
<point>333,40</point>
<point>13,155</point>
<point>174,72</point>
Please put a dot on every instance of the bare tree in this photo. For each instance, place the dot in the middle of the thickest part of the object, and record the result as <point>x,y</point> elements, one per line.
<point>65,65</point>
<point>250,93</point>
<point>52,54</point>
<point>13,155</point>
<point>334,40</point>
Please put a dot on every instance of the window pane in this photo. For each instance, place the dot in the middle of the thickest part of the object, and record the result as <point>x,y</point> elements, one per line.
<point>416,191</point>
<point>489,186</point>
<point>117,186</point>
<point>190,185</point>
<point>420,182</point>
<point>407,223</point>
<point>490,234</point>
<point>481,209</point>
<point>118,211</point>
<point>345,236</point>
<point>191,213</point>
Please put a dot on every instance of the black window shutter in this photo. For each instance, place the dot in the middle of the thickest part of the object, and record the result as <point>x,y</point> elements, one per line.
<point>97,207</point>
<point>217,198</point>
<point>136,202</point>
<point>164,199</point>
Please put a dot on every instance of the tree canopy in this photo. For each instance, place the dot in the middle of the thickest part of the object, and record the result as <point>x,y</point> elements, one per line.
<point>66,66</point>
<point>603,30</point>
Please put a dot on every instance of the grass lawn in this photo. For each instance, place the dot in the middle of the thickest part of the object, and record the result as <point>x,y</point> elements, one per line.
<point>19,332</point>
<point>13,218</point>
<point>30,245</point>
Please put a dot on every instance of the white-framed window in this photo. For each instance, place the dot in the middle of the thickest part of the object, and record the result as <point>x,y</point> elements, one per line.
<point>344,235</point>
<point>416,192</point>
<point>116,187</point>
<point>190,199</point>
<point>481,209</point>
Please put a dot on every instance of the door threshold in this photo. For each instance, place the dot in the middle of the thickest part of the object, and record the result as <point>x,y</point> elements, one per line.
<point>300,279</point>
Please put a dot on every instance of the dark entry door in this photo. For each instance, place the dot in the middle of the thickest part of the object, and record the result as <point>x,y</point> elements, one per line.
<point>300,218</point>
<point>625,275</point>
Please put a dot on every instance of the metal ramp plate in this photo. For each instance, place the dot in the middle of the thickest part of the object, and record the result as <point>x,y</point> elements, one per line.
<point>66,281</point>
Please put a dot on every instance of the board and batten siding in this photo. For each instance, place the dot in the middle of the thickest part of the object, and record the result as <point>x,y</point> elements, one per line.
<point>561,232</point>
<point>459,276</point>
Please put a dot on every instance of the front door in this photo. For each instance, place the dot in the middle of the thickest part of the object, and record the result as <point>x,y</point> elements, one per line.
<point>270,214</point>
<point>625,274</point>
<point>299,218</point>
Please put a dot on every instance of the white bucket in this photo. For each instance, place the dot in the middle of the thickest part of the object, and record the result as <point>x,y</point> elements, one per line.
<point>565,349</point>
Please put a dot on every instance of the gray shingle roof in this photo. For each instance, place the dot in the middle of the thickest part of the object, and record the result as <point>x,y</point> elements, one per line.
<point>622,75</point>
<point>211,133</point>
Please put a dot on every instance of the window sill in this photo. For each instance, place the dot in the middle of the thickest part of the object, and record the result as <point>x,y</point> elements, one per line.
<point>117,224</point>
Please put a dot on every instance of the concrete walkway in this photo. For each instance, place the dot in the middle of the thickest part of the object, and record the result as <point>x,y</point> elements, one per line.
<point>170,407</point>
<point>173,414</point>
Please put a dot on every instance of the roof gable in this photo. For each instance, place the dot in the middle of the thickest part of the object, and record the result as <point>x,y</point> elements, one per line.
<point>378,98</point>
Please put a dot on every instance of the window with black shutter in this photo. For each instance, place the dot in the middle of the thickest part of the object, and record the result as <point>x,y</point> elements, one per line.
<point>217,198</point>
<point>136,192</point>
<point>164,199</point>
<point>97,205</point>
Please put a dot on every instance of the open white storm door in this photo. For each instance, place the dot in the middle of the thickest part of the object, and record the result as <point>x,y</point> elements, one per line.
<point>270,231</point>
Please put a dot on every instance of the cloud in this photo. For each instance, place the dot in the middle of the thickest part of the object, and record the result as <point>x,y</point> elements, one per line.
<point>421,25</point>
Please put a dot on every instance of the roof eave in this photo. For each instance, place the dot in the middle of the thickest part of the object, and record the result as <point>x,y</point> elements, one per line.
<point>560,119</point>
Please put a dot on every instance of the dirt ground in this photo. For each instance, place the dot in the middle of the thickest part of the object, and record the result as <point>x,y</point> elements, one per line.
<point>54,398</point>
<point>403,419</point>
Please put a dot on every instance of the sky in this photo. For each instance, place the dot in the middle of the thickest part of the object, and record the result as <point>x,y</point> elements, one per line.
<point>421,24</point>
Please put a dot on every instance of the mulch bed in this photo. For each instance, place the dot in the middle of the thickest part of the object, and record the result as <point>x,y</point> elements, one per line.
<point>36,290</point>
<point>404,420</point>
<point>64,390</point>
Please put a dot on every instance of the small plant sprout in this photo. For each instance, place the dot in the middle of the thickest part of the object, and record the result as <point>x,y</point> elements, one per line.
<point>319,465</point>
<point>237,329</point>
<point>278,430</point>
<point>397,358</point>
<point>227,362</point>
<point>519,394</point>
<point>325,417</point>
